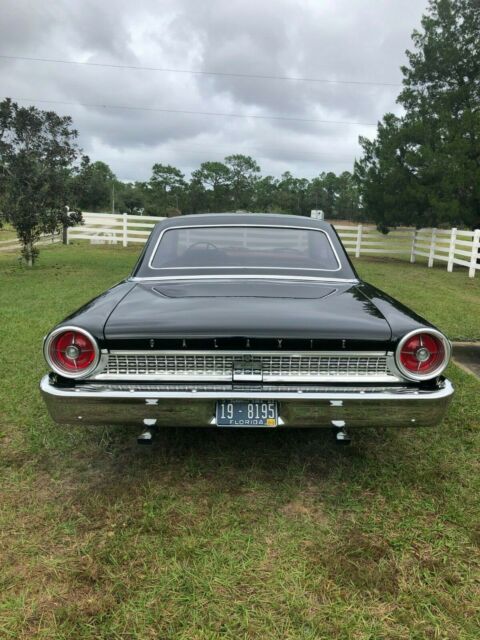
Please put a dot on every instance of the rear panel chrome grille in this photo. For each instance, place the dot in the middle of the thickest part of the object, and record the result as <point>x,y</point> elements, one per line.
<point>261,366</point>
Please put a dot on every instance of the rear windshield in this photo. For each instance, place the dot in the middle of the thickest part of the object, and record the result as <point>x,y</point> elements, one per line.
<point>244,247</point>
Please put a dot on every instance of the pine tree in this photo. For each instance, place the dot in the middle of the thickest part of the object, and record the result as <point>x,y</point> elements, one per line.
<point>424,168</point>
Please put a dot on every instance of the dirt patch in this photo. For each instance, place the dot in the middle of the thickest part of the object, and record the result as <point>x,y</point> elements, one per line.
<point>362,561</point>
<point>297,509</point>
<point>304,506</point>
<point>294,509</point>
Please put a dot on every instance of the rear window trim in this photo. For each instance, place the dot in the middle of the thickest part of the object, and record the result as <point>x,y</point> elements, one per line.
<point>255,226</point>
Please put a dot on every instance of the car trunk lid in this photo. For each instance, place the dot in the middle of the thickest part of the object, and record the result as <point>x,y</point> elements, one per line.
<point>280,309</point>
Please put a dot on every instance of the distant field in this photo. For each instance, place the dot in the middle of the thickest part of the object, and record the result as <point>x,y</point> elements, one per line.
<point>7,232</point>
<point>227,535</point>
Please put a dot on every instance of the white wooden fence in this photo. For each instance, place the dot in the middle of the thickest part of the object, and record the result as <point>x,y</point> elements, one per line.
<point>106,228</point>
<point>453,246</point>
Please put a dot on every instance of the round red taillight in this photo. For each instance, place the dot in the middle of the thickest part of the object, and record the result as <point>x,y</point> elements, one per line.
<point>423,354</point>
<point>71,352</point>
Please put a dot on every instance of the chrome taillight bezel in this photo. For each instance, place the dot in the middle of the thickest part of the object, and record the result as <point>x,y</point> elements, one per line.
<point>417,377</point>
<point>67,373</point>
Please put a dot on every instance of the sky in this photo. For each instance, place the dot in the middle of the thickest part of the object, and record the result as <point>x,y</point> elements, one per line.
<point>204,53</point>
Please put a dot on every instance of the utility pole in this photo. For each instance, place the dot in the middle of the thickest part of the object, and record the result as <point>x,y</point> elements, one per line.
<point>113,197</point>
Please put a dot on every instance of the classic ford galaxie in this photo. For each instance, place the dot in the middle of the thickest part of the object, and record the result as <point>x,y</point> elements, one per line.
<point>246,320</point>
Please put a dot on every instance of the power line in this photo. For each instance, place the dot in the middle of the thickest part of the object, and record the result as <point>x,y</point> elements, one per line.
<point>206,73</point>
<point>192,112</point>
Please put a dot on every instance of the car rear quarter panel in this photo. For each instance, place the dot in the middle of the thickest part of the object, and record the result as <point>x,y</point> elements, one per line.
<point>401,319</point>
<point>94,314</point>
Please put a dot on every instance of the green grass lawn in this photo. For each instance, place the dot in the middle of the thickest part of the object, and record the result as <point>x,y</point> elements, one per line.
<point>231,534</point>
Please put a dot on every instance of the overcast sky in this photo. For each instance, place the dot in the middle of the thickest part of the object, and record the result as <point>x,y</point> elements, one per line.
<point>343,40</point>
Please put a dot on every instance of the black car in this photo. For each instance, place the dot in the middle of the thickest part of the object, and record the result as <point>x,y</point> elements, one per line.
<point>246,320</point>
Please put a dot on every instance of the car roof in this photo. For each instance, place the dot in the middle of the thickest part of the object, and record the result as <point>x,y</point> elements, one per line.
<point>276,219</point>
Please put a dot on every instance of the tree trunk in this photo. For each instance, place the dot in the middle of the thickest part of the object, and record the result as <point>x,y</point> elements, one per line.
<point>28,253</point>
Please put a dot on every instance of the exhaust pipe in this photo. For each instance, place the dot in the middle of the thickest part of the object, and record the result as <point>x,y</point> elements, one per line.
<point>340,432</point>
<point>149,434</point>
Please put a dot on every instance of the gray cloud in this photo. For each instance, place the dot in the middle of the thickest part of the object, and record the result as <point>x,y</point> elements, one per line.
<point>332,39</point>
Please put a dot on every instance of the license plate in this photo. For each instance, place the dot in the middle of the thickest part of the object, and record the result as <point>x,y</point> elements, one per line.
<point>231,413</point>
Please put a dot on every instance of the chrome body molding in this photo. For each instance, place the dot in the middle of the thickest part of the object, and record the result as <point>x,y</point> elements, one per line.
<point>253,225</point>
<point>236,276</point>
<point>191,405</point>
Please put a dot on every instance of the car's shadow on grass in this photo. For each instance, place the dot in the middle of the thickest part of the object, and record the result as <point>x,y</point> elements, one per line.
<point>231,458</point>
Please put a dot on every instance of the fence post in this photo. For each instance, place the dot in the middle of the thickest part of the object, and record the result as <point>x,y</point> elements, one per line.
<point>125,230</point>
<point>359,240</point>
<point>451,250</point>
<point>414,246</point>
<point>475,254</point>
<point>432,248</point>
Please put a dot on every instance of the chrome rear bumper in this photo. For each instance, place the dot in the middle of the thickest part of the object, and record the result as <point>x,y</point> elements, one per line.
<point>194,405</point>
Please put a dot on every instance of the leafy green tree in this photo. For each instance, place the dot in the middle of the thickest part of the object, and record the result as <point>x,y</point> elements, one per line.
<point>215,178</point>
<point>316,194</point>
<point>330,186</point>
<point>347,203</point>
<point>131,198</point>
<point>167,188</point>
<point>197,197</point>
<point>243,176</point>
<point>292,194</point>
<point>37,152</point>
<point>424,168</point>
<point>266,195</point>
<point>93,185</point>
<point>391,190</point>
<point>337,196</point>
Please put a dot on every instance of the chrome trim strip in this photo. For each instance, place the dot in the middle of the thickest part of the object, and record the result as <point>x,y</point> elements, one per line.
<point>103,392</point>
<point>243,277</point>
<point>266,378</point>
<point>253,353</point>
<point>253,226</point>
